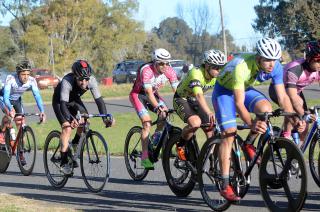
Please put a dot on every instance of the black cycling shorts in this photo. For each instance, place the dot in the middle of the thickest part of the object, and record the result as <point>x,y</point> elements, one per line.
<point>187,107</point>
<point>73,108</point>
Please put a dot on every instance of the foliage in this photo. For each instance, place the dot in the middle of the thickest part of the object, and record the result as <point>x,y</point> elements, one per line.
<point>298,22</point>
<point>8,49</point>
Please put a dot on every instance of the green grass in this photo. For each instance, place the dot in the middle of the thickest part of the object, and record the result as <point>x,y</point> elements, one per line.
<point>121,90</point>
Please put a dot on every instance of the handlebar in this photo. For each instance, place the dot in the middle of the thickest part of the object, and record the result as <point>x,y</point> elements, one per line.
<point>276,113</point>
<point>87,116</point>
<point>27,114</point>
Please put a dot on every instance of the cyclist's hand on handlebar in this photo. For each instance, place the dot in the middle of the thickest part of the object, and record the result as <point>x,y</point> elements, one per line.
<point>74,123</point>
<point>211,118</point>
<point>162,111</point>
<point>300,125</point>
<point>259,126</point>
<point>12,113</point>
<point>42,117</point>
<point>109,121</point>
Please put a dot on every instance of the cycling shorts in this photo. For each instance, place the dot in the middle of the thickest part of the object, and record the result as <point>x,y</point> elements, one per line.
<point>73,108</point>
<point>141,103</point>
<point>17,105</point>
<point>189,107</point>
<point>224,105</point>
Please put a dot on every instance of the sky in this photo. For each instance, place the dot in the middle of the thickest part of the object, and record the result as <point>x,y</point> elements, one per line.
<point>238,16</point>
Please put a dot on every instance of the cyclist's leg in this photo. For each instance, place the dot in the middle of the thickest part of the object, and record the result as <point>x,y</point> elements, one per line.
<point>138,102</point>
<point>224,106</point>
<point>5,122</point>
<point>64,138</point>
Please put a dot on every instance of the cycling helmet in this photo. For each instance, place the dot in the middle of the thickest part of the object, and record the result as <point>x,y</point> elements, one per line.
<point>161,55</point>
<point>269,48</point>
<point>81,69</point>
<point>23,65</point>
<point>214,57</point>
<point>312,50</point>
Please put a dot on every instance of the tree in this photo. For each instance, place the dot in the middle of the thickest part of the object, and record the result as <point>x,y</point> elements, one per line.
<point>298,22</point>
<point>20,10</point>
<point>8,49</point>
<point>177,33</point>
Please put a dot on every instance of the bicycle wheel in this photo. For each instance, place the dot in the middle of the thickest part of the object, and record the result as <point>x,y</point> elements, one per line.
<point>27,150</point>
<point>5,153</point>
<point>209,175</point>
<point>52,160</point>
<point>290,175</point>
<point>132,154</point>
<point>179,175</point>
<point>95,161</point>
<point>314,159</point>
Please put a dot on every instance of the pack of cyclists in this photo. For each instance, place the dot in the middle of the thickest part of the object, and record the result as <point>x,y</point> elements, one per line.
<point>234,91</point>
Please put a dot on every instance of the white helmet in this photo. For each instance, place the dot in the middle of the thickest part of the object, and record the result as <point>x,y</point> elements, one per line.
<point>161,55</point>
<point>214,57</point>
<point>269,48</point>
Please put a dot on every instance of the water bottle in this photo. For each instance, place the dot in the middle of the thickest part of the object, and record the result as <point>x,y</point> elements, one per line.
<point>295,136</point>
<point>13,134</point>
<point>156,138</point>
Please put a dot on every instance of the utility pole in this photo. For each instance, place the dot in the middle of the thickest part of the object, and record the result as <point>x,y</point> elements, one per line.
<point>52,56</point>
<point>223,31</point>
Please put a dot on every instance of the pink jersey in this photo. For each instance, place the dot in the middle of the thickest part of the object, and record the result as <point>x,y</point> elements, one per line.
<point>298,75</point>
<point>148,76</point>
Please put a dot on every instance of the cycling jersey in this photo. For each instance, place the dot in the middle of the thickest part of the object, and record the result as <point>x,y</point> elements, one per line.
<point>243,72</point>
<point>13,90</point>
<point>148,77</point>
<point>194,83</point>
<point>66,97</point>
<point>297,74</point>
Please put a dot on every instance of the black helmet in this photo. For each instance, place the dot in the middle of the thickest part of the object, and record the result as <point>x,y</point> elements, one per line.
<point>81,69</point>
<point>23,65</point>
<point>312,50</point>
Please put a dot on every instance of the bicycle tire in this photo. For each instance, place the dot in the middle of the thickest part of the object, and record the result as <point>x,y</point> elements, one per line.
<point>132,154</point>
<point>95,153</point>
<point>291,161</point>
<point>28,146</point>
<point>313,160</point>
<point>52,159</point>
<point>208,175</point>
<point>239,183</point>
<point>181,181</point>
<point>5,153</point>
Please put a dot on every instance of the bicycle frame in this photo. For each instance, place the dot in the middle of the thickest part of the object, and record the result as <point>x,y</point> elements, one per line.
<point>313,132</point>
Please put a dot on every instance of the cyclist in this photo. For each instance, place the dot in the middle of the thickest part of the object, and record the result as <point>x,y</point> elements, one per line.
<point>66,102</point>
<point>10,98</point>
<point>234,92</point>
<point>297,75</point>
<point>144,94</point>
<point>189,100</point>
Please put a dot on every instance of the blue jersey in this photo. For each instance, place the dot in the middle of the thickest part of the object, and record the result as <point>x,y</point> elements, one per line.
<point>13,90</point>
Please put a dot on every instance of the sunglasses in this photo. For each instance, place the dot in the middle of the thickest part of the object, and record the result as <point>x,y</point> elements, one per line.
<point>83,78</point>
<point>216,67</point>
<point>162,63</point>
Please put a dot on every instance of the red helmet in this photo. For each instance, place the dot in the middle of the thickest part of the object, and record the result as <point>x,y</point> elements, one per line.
<point>312,50</point>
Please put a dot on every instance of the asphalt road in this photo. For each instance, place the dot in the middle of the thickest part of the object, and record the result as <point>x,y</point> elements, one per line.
<point>123,194</point>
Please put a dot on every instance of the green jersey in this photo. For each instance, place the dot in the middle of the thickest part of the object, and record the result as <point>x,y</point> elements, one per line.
<point>194,83</point>
<point>243,72</point>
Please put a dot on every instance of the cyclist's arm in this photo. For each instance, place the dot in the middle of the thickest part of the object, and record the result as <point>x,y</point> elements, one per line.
<point>152,99</point>
<point>295,100</point>
<point>239,96</point>
<point>283,99</point>
<point>6,96</point>
<point>37,96</point>
<point>203,103</point>
<point>93,85</point>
